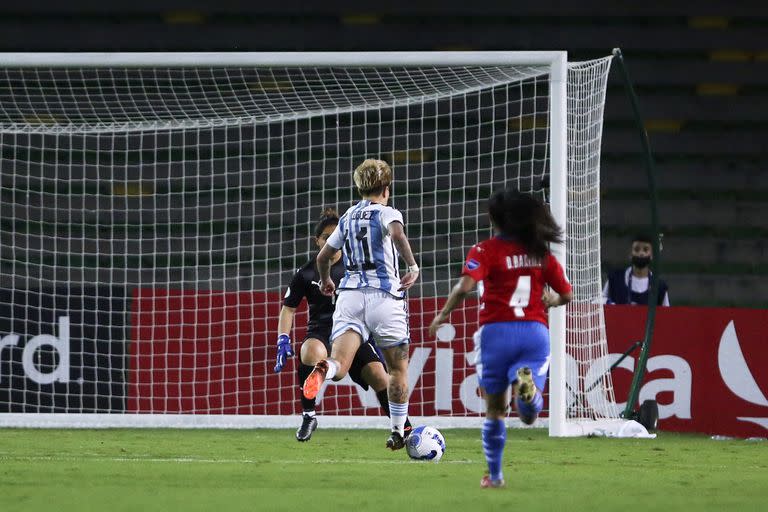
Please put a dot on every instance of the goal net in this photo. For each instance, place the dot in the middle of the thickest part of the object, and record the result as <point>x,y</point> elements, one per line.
<point>154,208</point>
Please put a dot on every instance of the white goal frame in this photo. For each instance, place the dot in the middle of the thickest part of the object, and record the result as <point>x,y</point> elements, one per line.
<point>558,75</point>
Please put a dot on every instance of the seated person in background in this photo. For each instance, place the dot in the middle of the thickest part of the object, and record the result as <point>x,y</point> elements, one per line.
<point>631,285</point>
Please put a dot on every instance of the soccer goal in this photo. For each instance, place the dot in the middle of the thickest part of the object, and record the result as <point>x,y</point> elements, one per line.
<point>155,206</point>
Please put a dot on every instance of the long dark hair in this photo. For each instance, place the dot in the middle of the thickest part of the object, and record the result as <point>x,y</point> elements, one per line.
<point>329,217</point>
<point>526,219</point>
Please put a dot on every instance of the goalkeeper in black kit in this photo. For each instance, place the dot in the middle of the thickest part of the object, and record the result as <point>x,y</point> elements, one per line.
<point>368,367</point>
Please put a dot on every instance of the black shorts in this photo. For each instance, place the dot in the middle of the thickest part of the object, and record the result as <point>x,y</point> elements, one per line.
<point>367,353</point>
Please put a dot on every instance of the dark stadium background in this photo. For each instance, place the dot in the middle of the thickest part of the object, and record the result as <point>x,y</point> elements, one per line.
<point>700,67</point>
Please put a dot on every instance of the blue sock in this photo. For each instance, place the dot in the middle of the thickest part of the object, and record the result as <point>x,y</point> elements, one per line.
<point>529,411</point>
<point>494,438</point>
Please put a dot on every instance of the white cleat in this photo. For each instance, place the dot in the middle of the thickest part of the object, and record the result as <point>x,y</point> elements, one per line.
<point>526,388</point>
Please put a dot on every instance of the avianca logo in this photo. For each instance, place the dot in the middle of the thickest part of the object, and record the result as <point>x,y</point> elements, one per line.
<point>736,373</point>
<point>60,344</point>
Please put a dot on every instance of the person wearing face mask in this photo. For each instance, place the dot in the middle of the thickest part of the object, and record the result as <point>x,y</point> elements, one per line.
<point>631,285</point>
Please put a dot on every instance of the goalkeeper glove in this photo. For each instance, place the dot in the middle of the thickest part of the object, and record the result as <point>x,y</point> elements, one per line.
<point>284,351</point>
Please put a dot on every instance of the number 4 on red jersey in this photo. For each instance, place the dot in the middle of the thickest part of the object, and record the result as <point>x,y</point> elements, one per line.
<point>511,282</point>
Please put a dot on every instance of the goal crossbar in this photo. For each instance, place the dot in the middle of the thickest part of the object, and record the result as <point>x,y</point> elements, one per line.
<point>273,59</point>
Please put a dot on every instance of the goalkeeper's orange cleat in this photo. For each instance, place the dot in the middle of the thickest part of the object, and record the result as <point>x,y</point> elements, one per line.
<point>315,380</point>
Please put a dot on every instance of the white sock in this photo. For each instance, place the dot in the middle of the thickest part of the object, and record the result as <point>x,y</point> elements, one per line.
<point>333,367</point>
<point>397,414</point>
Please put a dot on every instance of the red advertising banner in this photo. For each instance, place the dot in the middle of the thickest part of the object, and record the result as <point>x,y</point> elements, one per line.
<point>202,352</point>
<point>708,367</point>
<point>213,353</point>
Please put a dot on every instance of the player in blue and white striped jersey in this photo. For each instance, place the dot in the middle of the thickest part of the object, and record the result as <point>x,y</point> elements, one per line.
<point>371,300</point>
<point>370,256</point>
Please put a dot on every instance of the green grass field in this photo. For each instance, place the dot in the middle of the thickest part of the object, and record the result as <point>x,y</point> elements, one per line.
<point>219,470</point>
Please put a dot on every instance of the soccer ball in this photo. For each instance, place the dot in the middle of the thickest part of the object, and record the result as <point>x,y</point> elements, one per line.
<point>425,443</point>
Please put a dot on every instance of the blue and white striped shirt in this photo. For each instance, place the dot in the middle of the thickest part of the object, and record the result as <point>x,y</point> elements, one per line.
<point>370,257</point>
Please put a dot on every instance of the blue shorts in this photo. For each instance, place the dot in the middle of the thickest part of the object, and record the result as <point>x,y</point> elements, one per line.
<point>504,347</point>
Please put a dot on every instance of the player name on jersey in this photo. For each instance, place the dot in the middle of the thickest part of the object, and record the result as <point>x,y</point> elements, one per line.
<point>522,261</point>
<point>362,215</point>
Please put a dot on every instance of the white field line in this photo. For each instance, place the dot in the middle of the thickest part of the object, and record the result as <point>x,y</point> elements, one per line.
<point>193,460</point>
<point>6,457</point>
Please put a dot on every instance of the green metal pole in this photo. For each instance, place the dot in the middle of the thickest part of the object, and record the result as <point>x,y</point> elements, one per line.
<point>653,293</point>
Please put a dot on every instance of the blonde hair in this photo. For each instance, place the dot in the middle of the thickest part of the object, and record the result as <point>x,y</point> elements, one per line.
<point>372,177</point>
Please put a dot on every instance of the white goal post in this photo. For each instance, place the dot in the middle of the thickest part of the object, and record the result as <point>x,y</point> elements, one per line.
<point>154,206</point>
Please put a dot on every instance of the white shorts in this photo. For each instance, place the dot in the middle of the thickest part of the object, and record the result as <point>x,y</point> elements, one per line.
<point>370,311</point>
